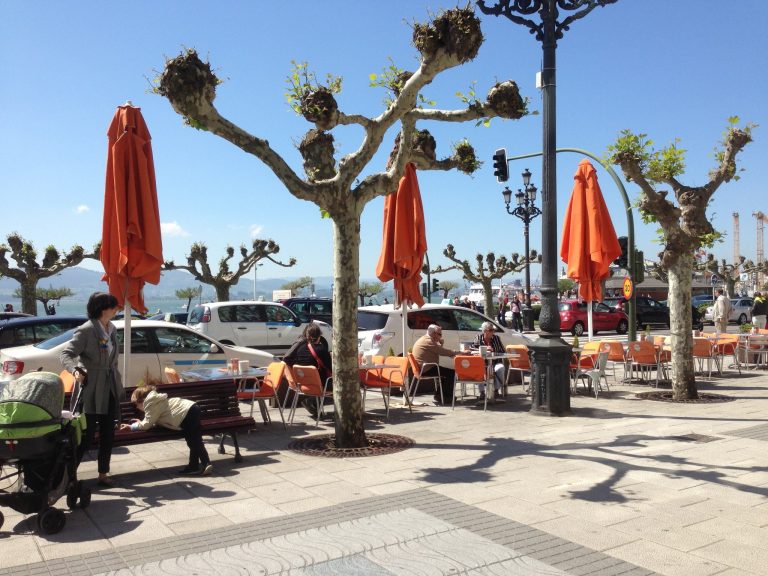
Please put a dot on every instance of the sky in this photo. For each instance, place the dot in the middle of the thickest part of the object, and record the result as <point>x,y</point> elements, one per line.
<point>669,69</point>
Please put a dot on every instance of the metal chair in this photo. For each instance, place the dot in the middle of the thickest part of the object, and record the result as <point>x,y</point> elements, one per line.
<point>520,363</point>
<point>267,388</point>
<point>642,357</point>
<point>704,349</point>
<point>472,371</point>
<point>305,381</point>
<point>394,375</point>
<point>419,374</point>
<point>597,374</point>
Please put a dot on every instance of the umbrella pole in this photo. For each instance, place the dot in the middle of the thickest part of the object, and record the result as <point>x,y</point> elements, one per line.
<point>126,340</point>
<point>589,321</point>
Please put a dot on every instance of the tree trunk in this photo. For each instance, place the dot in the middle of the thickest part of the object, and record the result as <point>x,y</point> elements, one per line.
<point>222,292</point>
<point>28,300</point>
<point>680,320</point>
<point>488,290</point>
<point>350,430</point>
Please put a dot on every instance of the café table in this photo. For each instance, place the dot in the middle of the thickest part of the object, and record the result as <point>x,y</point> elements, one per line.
<point>489,358</point>
<point>244,378</point>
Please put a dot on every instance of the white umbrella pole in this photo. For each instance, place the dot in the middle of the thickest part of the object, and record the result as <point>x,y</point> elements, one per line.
<point>589,321</point>
<point>127,343</point>
<point>405,325</point>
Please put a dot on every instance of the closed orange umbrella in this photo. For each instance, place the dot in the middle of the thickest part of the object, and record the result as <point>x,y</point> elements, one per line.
<point>589,243</point>
<point>405,240</point>
<point>131,246</point>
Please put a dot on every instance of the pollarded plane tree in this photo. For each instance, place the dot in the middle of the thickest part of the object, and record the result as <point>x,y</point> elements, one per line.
<point>488,268</point>
<point>684,225</point>
<point>225,278</point>
<point>28,272</point>
<point>726,272</point>
<point>369,290</point>
<point>340,188</point>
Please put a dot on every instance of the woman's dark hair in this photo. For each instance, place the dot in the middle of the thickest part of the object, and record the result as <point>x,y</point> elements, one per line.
<point>312,332</point>
<point>98,302</point>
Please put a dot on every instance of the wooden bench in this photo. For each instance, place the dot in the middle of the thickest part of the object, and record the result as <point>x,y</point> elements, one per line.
<point>219,414</point>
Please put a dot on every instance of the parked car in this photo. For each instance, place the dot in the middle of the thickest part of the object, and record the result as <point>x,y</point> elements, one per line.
<point>178,317</point>
<point>154,345</point>
<point>647,310</point>
<point>699,299</point>
<point>311,308</point>
<point>741,311</point>
<point>573,318</point>
<point>33,329</point>
<point>264,325</point>
<point>9,315</point>
<point>381,328</point>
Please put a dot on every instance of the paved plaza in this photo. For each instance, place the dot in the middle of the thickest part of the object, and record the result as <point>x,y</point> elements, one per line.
<point>624,486</point>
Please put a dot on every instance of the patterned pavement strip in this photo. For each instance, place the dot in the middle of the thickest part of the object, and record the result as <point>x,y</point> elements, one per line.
<point>418,532</point>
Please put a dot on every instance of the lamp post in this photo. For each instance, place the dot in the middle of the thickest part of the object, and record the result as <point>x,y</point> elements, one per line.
<point>255,272</point>
<point>549,354</point>
<point>526,210</point>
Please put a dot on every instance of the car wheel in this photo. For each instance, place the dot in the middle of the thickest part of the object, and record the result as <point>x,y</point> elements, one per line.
<point>578,329</point>
<point>622,327</point>
<point>742,319</point>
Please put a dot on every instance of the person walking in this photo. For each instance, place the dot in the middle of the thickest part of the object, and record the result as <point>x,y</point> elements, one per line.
<point>91,356</point>
<point>517,314</point>
<point>759,311</point>
<point>721,312</point>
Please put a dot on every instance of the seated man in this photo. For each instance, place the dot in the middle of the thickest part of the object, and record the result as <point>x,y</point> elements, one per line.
<point>488,338</point>
<point>427,350</point>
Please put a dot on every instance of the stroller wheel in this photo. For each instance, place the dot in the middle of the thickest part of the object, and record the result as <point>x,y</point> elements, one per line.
<point>51,521</point>
<point>72,494</point>
<point>85,496</point>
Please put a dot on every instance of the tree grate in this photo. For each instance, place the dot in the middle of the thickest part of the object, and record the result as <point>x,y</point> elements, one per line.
<point>325,445</point>
<point>698,438</point>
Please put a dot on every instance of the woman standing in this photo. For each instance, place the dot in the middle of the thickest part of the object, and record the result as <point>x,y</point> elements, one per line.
<point>92,354</point>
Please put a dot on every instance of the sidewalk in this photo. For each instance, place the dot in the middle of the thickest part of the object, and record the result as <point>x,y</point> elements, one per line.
<point>625,486</point>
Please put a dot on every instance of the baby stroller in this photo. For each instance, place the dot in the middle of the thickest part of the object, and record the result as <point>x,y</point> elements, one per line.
<point>39,449</point>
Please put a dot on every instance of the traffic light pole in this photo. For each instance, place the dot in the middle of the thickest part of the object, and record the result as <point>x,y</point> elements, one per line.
<point>631,253</point>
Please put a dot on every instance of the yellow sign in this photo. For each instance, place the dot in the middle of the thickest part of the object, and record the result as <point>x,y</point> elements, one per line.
<point>628,287</point>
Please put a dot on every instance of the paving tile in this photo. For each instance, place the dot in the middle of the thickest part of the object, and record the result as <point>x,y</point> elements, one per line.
<point>665,560</point>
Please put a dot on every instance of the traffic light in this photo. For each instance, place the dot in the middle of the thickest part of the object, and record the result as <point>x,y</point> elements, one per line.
<point>639,274</point>
<point>622,261</point>
<point>435,285</point>
<point>500,169</point>
<point>424,289</point>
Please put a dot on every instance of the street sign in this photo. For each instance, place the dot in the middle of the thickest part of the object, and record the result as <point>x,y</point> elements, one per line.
<point>713,280</point>
<point>627,288</point>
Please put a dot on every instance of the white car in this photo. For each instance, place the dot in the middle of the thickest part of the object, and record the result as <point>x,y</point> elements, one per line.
<point>264,325</point>
<point>741,311</point>
<point>154,345</point>
<point>380,328</point>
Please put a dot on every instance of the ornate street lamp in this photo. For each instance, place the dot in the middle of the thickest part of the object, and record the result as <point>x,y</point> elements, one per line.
<point>549,354</point>
<point>526,211</point>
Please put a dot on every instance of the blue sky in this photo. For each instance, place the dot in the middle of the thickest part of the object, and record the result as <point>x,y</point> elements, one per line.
<point>671,69</point>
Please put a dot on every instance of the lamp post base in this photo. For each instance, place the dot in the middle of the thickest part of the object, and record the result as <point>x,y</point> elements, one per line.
<point>550,358</point>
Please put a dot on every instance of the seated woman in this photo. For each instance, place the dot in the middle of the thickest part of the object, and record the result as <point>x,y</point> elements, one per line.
<point>488,338</point>
<point>311,349</point>
<point>176,414</point>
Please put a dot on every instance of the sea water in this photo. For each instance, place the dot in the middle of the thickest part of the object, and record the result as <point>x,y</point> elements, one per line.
<point>72,307</point>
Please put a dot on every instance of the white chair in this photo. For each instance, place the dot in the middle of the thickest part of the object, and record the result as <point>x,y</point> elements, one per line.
<point>597,375</point>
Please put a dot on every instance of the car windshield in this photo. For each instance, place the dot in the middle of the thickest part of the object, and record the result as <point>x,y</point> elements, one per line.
<point>371,320</point>
<point>56,340</point>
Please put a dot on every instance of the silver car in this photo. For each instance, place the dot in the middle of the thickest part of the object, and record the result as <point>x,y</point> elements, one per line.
<point>741,311</point>
<point>155,345</point>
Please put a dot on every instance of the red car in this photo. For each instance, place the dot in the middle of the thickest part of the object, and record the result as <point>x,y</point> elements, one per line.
<point>573,318</point>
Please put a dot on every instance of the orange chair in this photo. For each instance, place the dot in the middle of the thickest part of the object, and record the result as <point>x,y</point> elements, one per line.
<point>615,354</point>
<point>470,370</point>
<point>419,375</point>
<point>704,349</point>
<point>265,389</point>
<point>395,375</point>
<point>172,375</point>
<point>305,381</point>
<point>520,363</point>
<point>642,357</point>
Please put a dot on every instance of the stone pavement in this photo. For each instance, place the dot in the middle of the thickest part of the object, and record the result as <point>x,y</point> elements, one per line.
<point>625,486</point>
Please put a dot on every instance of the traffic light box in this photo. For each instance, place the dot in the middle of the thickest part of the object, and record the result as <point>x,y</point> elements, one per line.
<point>639,274</point>
<point>622,261</point>
<point>435,285</point>
<point>500,169</point>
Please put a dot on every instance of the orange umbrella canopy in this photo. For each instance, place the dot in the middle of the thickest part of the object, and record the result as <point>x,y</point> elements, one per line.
<point>589,243</point>
<point>131,246</point>
<point>405,240</point>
